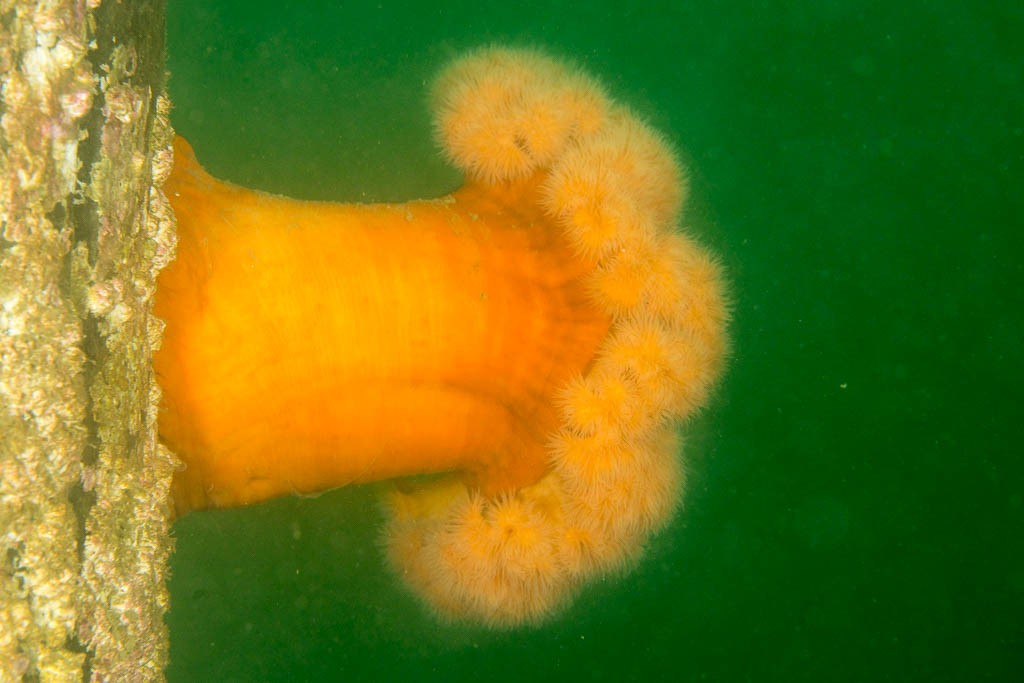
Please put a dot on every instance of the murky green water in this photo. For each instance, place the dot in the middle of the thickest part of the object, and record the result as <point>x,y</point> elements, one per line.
<point>854,509</point>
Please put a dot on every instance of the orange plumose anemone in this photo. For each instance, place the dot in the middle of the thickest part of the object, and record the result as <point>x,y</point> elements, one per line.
<point>533,339</point>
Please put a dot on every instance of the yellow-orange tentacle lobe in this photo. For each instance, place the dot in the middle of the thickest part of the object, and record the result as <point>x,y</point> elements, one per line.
<point>537,335</point>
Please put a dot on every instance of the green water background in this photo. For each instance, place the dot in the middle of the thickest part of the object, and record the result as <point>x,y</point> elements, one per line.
<point>854,510</point>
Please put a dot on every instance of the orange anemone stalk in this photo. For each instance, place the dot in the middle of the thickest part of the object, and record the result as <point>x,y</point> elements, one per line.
<point>532,339</point>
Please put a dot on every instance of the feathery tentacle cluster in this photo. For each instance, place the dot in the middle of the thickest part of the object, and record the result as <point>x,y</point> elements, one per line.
<point>616,189</point>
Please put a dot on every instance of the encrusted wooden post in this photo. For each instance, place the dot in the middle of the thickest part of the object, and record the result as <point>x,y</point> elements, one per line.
<point>84,229</point>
